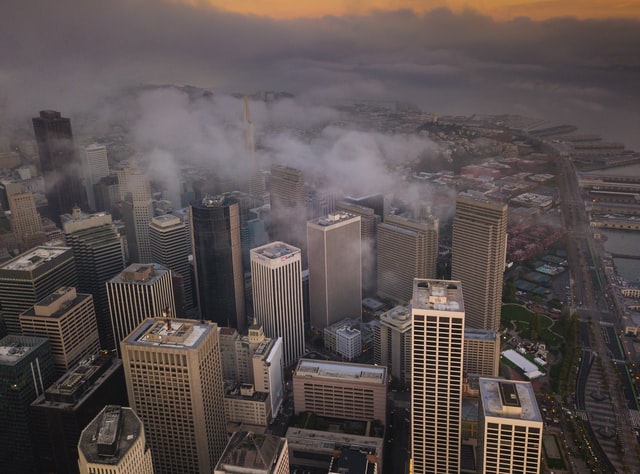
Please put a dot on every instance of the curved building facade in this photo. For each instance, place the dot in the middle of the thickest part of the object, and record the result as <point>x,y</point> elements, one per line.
<point>217,254</point>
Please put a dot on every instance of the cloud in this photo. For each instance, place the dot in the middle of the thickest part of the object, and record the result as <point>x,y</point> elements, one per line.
<point>69,55</point>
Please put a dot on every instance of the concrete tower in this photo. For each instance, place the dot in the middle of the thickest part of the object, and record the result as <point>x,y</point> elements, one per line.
<point>96,167</point>
<point>335,268</point>
<point>139,292</point>
<point>61,169</point>
<point>32,276</point>
<point>392,342</point>
<point>510,428</point>
<point>407,249</point>
<point>174,382</point>
<point>99,254</point>
<point>217,254</point>
<point>276,280</point>
<point>170,247</point>
<point>137,212</point>
<point>436,385</point>
<point>26,223</point>
<point>479,247</point>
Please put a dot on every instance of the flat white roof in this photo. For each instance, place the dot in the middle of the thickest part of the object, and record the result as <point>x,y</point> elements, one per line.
<point>372,374</point>
<point>492,402</point>
<point>32,259</point>
<point>438,295</point>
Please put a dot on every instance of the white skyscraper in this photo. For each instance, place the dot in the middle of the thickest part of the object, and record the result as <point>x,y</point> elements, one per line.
<point>335,269</point>
<point>510,427</point>
<point>276,280</point>
<point>137,212</point>
<point>436,383</point>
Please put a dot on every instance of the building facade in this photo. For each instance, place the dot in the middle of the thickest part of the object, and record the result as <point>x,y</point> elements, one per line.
<point>96,167</point>
<point>276,281</point>
<point>217,254</point>
<point>510,428</point>
<point>174,384</point>
<point>481,352</point>
<point>436,383</point>
<point>340,390</point>
<point>478,253</point>
<point>392,342</point>
<point>335,268</point>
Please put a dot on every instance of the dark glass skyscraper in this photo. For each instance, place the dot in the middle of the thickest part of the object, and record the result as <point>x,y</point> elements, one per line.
<point>217,253</point>
<point>60,167</point>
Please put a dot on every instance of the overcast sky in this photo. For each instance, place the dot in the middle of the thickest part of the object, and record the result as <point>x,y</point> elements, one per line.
<point>68,54</point>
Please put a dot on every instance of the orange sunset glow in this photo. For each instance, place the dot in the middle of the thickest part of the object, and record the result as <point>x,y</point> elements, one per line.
<point>498,9</point>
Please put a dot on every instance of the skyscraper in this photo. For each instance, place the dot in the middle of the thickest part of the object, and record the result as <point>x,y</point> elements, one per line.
<point>26,222</point>
<point>174,383</point>
<point>26,370</point>
<point>276,280</point>
<point>407,249</point>
<point>510,431</point>
<point>478,249</point>
<point>438,315</point>
<point>217,254</point>
<point>68,319</point>
<point>392,342</point>
<point>96,166</point>
<point>114,442</point>
<point>137,212</point>
<point>288,206</point>
<point>60,167</point>
<point>481,352</point>
<point>139,292</point>
<point>170,247</point>
<point>32,276</point>
<point>335,269</point>
<point>99,254</point>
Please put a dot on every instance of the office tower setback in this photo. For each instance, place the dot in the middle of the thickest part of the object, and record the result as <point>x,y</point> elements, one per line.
<point>174,383</point>
<point>369,221</point>
<point>478,249</point>
<point>141,291</point>
<point>61,170</point>
<point>254,453</point>
<point>68,319</point>
<point>335,269</point>
<point>392,342</point>
<point>26,370</point>
<point>170,247</point>
<point>32,276</point>
<point>217,254</point>
<point>436,384</point>
<point>26,223</point>
<point>481,352</point>
<point>114,442</point>
<point>99,254</point>
<point>510,431</point>
<point>96,167</point>
<point>407,249</point>
<point>276,280</point>
<point>340,390</point>
<point>69,404</point>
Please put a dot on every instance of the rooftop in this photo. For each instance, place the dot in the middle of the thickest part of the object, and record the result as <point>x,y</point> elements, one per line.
<point>110,435</point>
<point>14,348</point>
<point>251,452</point>
<point>437,295</point>
<point>180,333</point>
<point>333,219</point>
<point>34,258</point>
<point>479,334</point>
<point>166,220</point>
<point>370,374</point>
<point>57,303</point>
<point>397,316</point>
<point>141,273</point>
<point>509,399</point>
<point>276,250</point>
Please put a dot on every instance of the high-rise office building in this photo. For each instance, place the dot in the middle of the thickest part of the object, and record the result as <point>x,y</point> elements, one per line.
<point>174,383</point>
<point>61,169</point>
<point>510,431</point>
<point>170,247</point>
<point>137,212</point>
<point>288,206</point>
<point>99,254</point>
<point>68,319</point>
<point>335,269</point>
<point>141,291</point>
<point>32,276</point>
<point>69,404</point>
<point>478,252</point>
<point>407,249</point>
<point>276,280</point>
<point>107,193</point>
<point>369,221</point>
<point>217,254</point>
<point>114,442</point>
<point>481,352</point>
<point>254,453</point>
<point>96,167</point>
<point>26,223</point>
<point>26,370</point>
<point>392,342</point>
<point>438,315</point>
